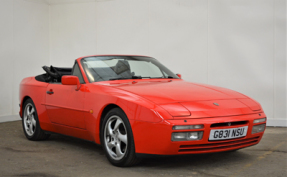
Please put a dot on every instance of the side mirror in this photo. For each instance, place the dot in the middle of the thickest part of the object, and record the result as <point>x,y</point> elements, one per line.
<point>71,80</point>
<point>179,75</point>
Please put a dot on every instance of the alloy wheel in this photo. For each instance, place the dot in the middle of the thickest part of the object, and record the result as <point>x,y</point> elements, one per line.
<point>115,137</point>
<point>29,119</point>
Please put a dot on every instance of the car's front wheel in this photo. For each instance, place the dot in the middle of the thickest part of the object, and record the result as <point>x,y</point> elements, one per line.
<point>30,122</point>
<point>117,139</point>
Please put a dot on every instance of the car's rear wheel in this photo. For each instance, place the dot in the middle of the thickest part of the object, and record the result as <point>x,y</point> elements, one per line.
<point>30,122</point>
<point>117,139</point>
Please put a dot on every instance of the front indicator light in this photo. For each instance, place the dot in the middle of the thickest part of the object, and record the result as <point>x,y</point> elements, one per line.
<point>187,127</point>
<point>186,136</point>
<point>258,128</point>
<point>259,120</point>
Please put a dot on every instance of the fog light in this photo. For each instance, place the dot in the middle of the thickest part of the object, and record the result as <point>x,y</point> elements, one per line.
<point>179,136</point>
<point>186,136</point>
<point>258,128</point>
<point>187,127</point>
<point>259,120</point>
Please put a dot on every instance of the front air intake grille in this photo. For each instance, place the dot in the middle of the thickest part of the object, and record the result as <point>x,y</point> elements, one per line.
<point>219,145</point>
<point>226,124</point>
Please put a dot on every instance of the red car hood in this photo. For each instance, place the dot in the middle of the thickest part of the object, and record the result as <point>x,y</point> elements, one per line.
<point>184,99</point>
<point>165,91</point>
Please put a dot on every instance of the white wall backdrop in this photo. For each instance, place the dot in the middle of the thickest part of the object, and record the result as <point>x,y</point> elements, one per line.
<point>24,47</point>
<point>238,44</point>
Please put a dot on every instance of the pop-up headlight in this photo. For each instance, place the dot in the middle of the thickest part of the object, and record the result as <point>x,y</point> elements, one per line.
<point>176,110</point>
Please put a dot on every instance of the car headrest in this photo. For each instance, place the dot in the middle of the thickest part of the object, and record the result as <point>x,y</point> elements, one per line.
<point>122,66</point>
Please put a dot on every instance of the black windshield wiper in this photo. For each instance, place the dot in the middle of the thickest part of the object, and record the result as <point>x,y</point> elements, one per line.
<point>123,78</point>
<point>170,77</point>
<point>137,77</point>
<point>140,77</point>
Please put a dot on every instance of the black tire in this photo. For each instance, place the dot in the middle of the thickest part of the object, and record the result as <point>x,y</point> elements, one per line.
<point>37,133</point>
<point>232,150</point>
<point>129,156</point>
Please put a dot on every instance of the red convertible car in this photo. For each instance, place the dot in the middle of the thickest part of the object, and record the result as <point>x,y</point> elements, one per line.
<point>133,106</point>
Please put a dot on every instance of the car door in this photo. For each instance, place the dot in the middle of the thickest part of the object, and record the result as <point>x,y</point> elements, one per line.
<point>65,105</point>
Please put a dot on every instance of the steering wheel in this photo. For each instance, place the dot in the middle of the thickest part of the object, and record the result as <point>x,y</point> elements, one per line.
<point>54,75</point>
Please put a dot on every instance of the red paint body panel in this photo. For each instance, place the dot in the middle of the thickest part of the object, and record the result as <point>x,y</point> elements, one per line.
<point>155,138</point>
<point>201,109</point>
<point>162,91</point>
<point>153,107</point>
<point>252,104</point>
<point>66,105</point>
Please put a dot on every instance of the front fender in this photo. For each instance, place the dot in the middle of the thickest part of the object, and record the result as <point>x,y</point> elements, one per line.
<point>134,106</point>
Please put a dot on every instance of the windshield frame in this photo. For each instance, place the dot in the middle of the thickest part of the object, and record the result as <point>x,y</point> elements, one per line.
<point>130,57</point>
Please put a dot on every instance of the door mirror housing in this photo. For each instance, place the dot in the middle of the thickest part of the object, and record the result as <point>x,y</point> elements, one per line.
<point>179,75</point>
<point>71,80</point>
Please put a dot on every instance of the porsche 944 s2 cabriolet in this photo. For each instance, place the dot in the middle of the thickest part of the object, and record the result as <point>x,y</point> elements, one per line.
<point>133,106</point>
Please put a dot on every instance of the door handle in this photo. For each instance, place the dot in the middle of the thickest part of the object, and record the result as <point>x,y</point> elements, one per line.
<point>50,92</point>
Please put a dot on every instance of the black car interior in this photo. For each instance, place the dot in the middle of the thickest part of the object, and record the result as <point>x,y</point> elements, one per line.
<point>53,74</point>
<point>120,70</point>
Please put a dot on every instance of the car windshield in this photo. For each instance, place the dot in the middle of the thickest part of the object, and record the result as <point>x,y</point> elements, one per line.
<point>104,68</point>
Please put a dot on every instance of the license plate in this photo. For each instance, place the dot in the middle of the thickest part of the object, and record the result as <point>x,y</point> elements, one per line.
<point>223,134</point>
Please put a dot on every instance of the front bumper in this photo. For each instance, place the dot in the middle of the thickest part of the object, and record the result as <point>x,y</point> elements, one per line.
<point>155,138</point>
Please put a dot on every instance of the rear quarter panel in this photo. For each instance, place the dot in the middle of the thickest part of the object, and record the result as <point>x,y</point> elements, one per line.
<point>30,87</point>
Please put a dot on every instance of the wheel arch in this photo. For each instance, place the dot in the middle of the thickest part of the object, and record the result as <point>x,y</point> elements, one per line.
<point>22,104</point>
<point>106,109</point>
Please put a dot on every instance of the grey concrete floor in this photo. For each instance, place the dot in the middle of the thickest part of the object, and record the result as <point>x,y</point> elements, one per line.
<point>65,156</point>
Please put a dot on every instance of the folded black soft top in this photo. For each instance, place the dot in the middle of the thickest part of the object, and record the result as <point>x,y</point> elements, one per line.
<point>64,71</point>
<point>46,78</point>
